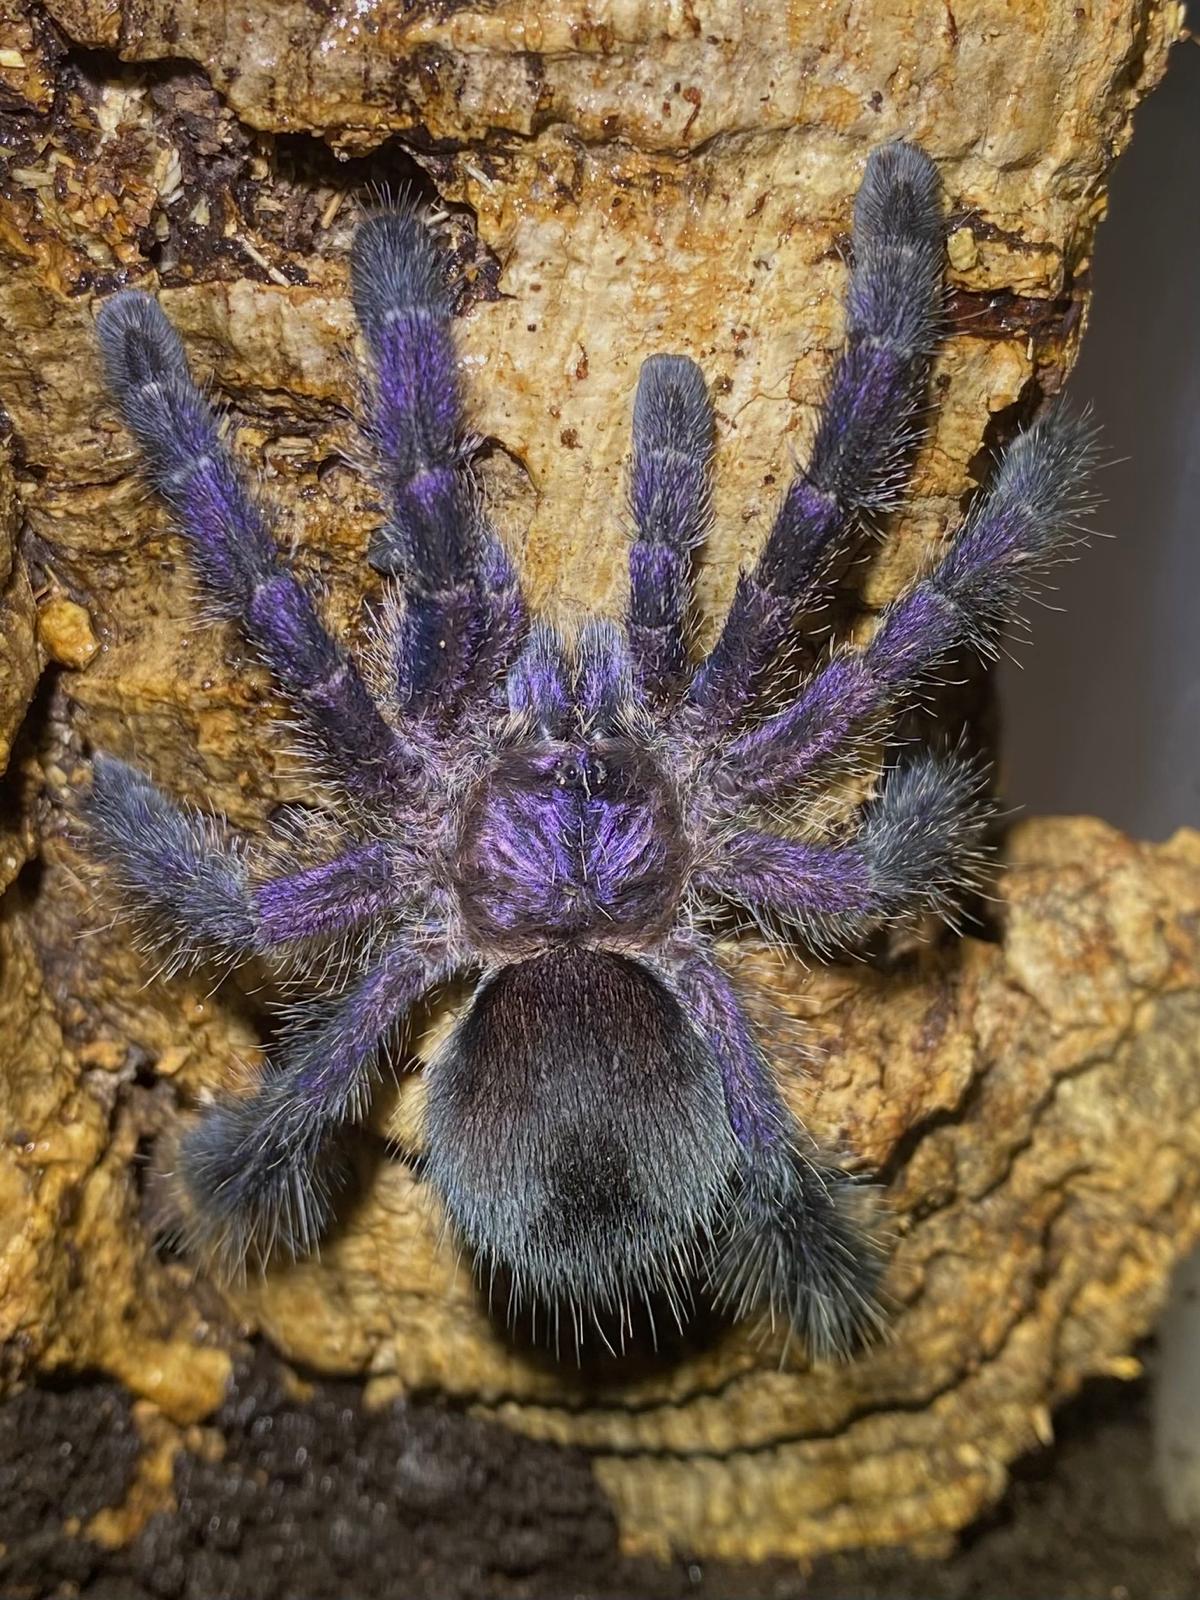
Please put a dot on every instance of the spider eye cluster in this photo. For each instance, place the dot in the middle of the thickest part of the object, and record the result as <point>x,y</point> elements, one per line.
<point>570,841</point>
<point>582,771</point>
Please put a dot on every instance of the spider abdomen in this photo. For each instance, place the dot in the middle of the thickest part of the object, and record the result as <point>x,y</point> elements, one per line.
<point>570,842</point>
<point>576,1127</point>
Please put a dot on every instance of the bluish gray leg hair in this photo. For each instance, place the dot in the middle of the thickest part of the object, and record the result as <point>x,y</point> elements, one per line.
<point>463,614</point>
<point>1013,535</point>
<point>867,427</point>
<point>791,1244</point>
<point>669,496</point>
<point>190,884</point>
<point>234,555</point>
<point>917,850</point>
<point>261,1170</point>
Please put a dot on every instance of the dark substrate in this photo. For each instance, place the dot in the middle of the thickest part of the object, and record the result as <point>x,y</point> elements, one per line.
<point>324,1501</point>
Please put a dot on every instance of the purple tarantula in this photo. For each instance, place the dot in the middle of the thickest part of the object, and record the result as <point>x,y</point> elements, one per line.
<point>564,819</point>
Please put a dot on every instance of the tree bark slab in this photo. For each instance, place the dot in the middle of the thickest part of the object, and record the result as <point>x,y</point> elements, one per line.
<point>619,179</point>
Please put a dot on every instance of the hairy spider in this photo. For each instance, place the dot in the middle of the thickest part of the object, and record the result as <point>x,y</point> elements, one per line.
<point>563,818</point>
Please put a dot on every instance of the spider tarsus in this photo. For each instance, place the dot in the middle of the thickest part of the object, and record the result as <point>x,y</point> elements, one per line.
<point>183,881</point>
<point>255,1185</point>
<point>138,344</point>
<point>922,838</point>
<point>797,1249</point>
<point>395,266</point>
<point>900,196</point>
<point>672,450</point>
<point>898,235</point>
<point>1022,525</point>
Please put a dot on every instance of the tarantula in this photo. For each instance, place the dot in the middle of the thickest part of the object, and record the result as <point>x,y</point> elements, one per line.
<point>564,818</point>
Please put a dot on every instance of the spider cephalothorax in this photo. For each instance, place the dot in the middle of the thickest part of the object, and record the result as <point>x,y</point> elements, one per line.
<point>563,819</point>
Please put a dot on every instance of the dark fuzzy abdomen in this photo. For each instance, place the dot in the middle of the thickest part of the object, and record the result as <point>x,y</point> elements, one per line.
<point>576,1128</point>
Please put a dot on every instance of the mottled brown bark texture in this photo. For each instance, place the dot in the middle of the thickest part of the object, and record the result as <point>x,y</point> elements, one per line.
<point>620,178</point>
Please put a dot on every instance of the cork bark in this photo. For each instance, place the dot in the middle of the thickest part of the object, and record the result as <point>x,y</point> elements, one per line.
<point>618,179</point>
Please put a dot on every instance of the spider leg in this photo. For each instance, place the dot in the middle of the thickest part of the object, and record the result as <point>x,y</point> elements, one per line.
<point>917,849</point>
<point>603,685</point>
<point>1023,525</point>
<point>232,551</point>
<point>191,885</point>
<point>260,1170</point>
<point>538,685</point>
<point>463,613</point>
<point>866,428</point>
<point>669,496</point>
<point>791,1242</point>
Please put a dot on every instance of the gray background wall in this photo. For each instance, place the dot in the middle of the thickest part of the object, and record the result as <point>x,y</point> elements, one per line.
<point>1103,715</point>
